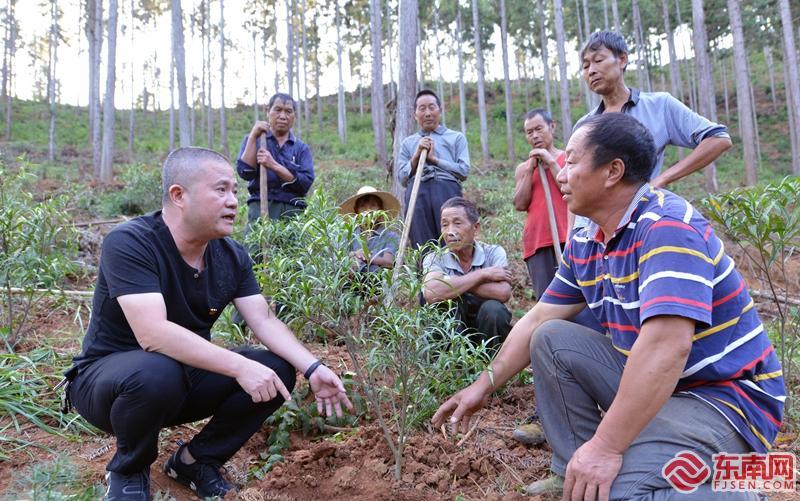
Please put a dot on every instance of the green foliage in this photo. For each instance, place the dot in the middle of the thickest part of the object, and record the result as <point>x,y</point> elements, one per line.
<point>141,192</point>
<point>407,357</point>
<point>27,396</point>
<point>56,480</point>
<point>36,246</point>
<point>765,223</point>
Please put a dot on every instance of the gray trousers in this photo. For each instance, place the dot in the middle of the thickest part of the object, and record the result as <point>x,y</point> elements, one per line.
<point>576,370</point>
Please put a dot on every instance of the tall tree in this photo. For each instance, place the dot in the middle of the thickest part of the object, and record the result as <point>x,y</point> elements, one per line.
<point>545,60</point>
<point>407,80</point>
<point>132,112</point>
<point>462,98</point>
<point>436,45</point>
<point>171,103</point>
<point>341,119</point>
<point>179,56</point>
<point>223,123</point>
<point>708,105</point>
<point>615,14</point>
<point>54,35</point>
<point>107,156</point>
<point>476,27</point>
<point>674,69</point>
<point>793,91</point>
<point>207,72</point>
<point>9,50</point>
<point>94,32</point>
<point>743,102</point>
<point>376,102</point>
<point>289,45</point>
<point>306,107</point>
<point>642,73</point>
<point>566,115</point>
<point>507,81</point>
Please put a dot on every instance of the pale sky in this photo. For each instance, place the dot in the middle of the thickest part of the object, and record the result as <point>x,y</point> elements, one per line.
<point>152,45</point>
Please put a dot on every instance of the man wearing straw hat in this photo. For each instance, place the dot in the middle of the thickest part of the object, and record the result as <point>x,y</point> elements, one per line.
<point>473,274</point>
<point>376,246</point>
<point>446,167</point>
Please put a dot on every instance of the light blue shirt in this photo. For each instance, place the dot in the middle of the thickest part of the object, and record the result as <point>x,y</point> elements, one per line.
<point>450,149</point>
<point>484,256</point>
<point>668,120</point>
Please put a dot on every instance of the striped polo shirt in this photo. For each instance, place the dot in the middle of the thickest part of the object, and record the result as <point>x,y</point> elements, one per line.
<point>664,259</point>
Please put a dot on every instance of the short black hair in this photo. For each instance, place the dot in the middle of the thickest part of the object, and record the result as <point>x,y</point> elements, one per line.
<point>619,135</point>
<point>281,96</point>
<point>181,166</point>
<point>469,208</point>
<point>427,92</point>
<point>539,112</point>
<point>611,40</point>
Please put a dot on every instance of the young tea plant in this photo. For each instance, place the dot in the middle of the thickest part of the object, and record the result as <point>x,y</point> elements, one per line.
<point>37,246</point>
<point>397,348</point>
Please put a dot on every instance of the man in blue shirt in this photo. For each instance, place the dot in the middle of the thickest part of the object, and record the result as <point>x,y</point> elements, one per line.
<point>290,168</point>
<point>446,167</point>
<point>604,59</point>
<point>686,364</point>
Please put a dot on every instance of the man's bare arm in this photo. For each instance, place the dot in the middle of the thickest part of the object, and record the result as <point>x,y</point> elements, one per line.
<point>522,190</point>
<point>440,287</point>
<point>706,152</point>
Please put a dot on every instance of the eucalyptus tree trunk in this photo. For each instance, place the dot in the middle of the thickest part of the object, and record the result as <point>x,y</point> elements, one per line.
<point>768,60</point>
<point>319,96</point>
<point>255,76</point>
<point>207,92</point>
<point>462,99</point>
<point>376,98</point>
<point>171,104</point>
<point>545,61</point>
<point>744,104</point>
<point>275,51</point>
<point>439,83</point>
<point>10,23</point>
<point>392,85</point>
<point>306,108</point>
<point>605,14</point>
<point>790,60</point>
<point>689,69</point>
<point>566,115</point>
<point>223,123</point>
<point>341,119</point>
<point>615,14</point>
<point>723,74</point>
<point>789,113</point>
<point>290,45</point>
<point>674,69</point>
<point>179,57</point>
<point>107,156</point>
<point>476,25</point>
<point>94,32</point>
<point>407,81</point>
<point>583,36</point>
<point>705,78</point>
<point>51,79</point>
<point>132,113</point>
<point>506,81</point>
<point>642,74</point>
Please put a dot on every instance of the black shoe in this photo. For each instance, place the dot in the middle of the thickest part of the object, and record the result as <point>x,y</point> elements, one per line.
<point>130,487</point>
<point>203,478</point>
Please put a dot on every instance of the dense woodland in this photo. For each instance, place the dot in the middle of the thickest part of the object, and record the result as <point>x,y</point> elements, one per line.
<point>721,57</point>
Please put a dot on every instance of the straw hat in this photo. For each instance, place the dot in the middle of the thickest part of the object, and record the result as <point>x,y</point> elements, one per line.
<point>390,203</point>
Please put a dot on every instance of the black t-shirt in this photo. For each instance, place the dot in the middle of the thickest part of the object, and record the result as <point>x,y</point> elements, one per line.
<point>140,256</point>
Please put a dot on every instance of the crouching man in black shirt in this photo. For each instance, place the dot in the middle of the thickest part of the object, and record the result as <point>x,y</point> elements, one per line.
<point>147,362</point>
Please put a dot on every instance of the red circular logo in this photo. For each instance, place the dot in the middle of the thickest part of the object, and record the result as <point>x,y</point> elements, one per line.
<point>686,471</point>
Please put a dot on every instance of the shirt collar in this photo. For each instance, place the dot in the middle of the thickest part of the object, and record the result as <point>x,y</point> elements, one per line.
<point>440,130</point>
<point>290,139</point>
<point>594,229</point>
<point>633,100</point>
<point>478,258</point>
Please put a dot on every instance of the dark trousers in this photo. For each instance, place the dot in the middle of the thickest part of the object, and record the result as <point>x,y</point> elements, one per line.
<point>432,193</point>
<point>134,394</point>
<point>542,267</point>
<point>483,319</point>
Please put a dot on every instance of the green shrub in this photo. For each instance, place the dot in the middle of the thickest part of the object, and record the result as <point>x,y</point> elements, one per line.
<point>141,192</point>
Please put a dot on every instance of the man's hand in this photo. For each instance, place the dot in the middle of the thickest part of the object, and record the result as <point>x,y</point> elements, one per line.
<point>261,382</point>
<point>259,127</point>
<point>461,406</point>
<point>265,158</point>
<point>426,143</point>
<point>591,471</point>
<point>329,390</point>
<point>496,274</point>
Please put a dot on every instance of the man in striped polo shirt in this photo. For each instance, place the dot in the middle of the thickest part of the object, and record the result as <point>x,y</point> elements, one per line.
<point>686,363</point>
